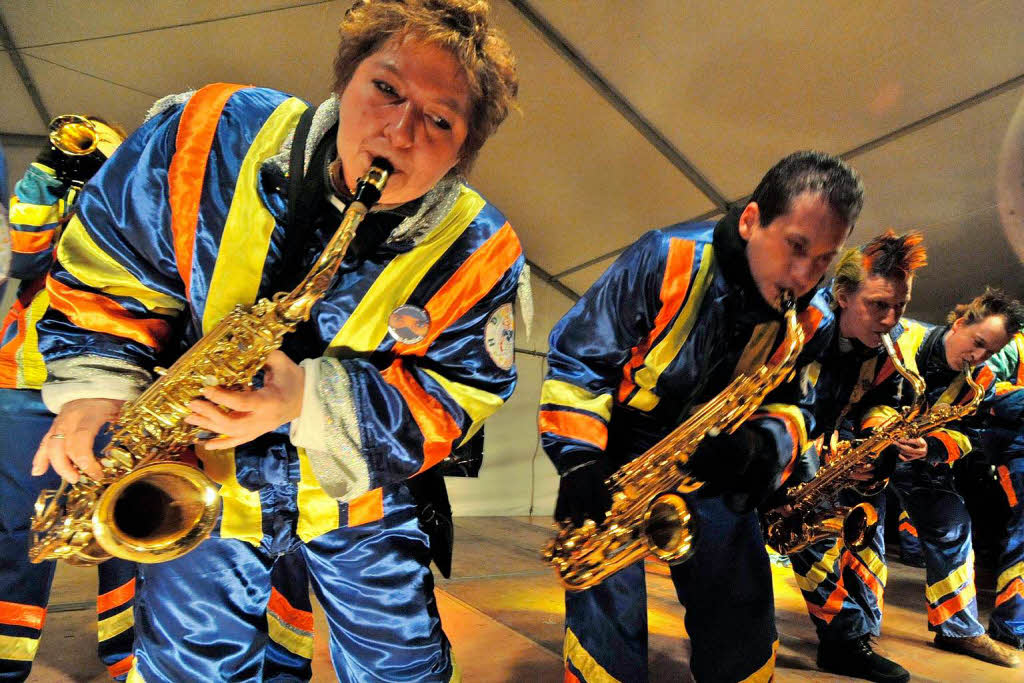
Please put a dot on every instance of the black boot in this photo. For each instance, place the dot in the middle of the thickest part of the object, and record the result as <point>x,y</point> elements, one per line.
<point>856,658</point>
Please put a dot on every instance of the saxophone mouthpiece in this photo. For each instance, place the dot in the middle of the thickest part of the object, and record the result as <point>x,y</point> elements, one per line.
<point>786,300</point>
<point>370,187</point>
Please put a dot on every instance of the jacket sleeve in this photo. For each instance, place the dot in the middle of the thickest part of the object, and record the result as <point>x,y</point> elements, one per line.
<point>788,413</point>
<point>115,287</point>
<point>364,426</point>
<point>594,341</point>
<point>36,208</point>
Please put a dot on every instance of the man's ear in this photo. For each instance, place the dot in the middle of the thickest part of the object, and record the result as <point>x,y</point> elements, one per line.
<point>750,220</point>
<point>843,298</point>
<point>958,324</point>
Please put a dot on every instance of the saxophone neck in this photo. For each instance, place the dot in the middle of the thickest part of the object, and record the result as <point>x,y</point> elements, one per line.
<point>917,382</point>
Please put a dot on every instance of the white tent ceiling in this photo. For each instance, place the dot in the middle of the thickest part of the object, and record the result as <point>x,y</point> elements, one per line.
<point>635,114</point>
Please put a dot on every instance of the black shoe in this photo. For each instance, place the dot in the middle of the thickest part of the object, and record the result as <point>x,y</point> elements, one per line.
<point>856,658</point>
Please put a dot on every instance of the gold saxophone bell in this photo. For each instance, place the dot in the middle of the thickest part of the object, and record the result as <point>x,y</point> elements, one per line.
<point>74,135</point>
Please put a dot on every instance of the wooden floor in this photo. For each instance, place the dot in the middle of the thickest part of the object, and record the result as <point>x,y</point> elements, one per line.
<point>502,610</point>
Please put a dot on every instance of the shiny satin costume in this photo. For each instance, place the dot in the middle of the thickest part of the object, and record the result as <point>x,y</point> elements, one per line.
<point>37,205</point>
<point>662,330</point>
<point>189,219</point>
<point>926,488</point>
<point>1002,440</point>
<point>842,588</point>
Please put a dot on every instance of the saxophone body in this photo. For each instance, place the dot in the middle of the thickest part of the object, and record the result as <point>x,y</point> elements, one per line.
<point>650,513</point>
<point>813,510</point>
<point>150,506</point>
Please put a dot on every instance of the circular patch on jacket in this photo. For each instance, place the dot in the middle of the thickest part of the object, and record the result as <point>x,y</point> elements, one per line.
<point>408,324</point>
<point>500,336</point>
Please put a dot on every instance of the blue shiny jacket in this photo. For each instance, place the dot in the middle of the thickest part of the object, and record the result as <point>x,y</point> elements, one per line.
<point>189,218</point>
<point>663,330</point>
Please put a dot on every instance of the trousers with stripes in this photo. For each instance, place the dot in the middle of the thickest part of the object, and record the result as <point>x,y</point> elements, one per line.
<point>1006,622</point>
<point>209,615</point>
<point>939,514</point>
<point>726,588</point>
<point>842,588</point>
<point>25,587</point>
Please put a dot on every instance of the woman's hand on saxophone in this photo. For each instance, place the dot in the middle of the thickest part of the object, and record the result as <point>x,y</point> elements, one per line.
<point>69,445</point>
<point>241,416</point>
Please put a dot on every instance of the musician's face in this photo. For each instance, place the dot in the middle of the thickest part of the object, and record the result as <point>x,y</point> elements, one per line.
<point>975,343</point>
<point>409,103</point>
<point>795,249</point>
<point>873,309</point>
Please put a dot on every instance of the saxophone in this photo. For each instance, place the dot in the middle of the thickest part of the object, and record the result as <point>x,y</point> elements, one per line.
<point>649,512</point>
<point>150,506</point>
<point>812,511</point>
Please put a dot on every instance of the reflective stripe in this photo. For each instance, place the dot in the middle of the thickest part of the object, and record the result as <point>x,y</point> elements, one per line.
<point>95,268</point>
<point>296,642</point>
<point>25,215</point>
<point>116,597</point>
<point>318,512</point>
<point>187,170</point>
<point>296,618</point>
<point>574,652</point>
<point>962,575</point>
<point>910,341</point>
<point>366,508</point>
<point>19,614</point>
<point>248,227</point>
<point>574,426</point>
<point>478,404</point>
<point>820,569</point>
<point>121,667</point>
<point>1007,575</point>
<point>956,444</point>
<point>436,425</point>
<point>1007,484</point>
<point>557,392</point>
<point>117,624</point>
<point>767,671</point>
<point>957,603</point>
<point>366,327</point>
<point>470,283</point>
<point>23,242</point>
<point>1014,590</point>
<point>242,514</point>
<point>665,351</point>
<point>793,419</point>
<point>18,649</point>
<point>133,674</point>
<point>674,286</point>
<point>97,313</point>
<point>31,367</point>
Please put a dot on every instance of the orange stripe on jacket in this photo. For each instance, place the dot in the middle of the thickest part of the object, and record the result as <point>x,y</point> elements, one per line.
<point>16,614</point>
<point>116,597</point>
<point>9,370</point>
<point>943,611</point>
<point>98,313</point>
<point>985,378</point>
<point>952,448</point>
<point>467,286</point>
<point>298,618</point>
<point>674,286</point>
<point>1013,589</point>
<point>366,508</point>
<point>188,168</point>
<point>121,667</point>
<point>833,604</point>
<point>865,574</point>
<point>809,319</point>
<point>1004,481</point>
<point>23,242</point>
<point>909,528</point>
<point>793,430</point>
<point>574,426</point>
<point>437,426</point>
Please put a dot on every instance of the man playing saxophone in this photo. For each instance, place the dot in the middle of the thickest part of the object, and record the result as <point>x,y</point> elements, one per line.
<point>665,329</point>
<point>941,354</point>
<point>842,588</point>
<point>229,194</point>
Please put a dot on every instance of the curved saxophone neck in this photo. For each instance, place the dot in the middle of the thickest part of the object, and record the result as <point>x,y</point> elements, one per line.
<point>917,382</point>
<point>296,305</point>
